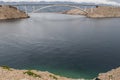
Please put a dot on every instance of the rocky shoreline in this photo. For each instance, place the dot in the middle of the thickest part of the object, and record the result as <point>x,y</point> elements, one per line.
<point>7,73</point>
<point>114,74</point>
<point>9,12</point>
<point>97,12</point>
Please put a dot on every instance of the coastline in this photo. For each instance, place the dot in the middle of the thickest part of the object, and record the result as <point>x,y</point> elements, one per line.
<point>113,74</point>
<point>97,12</point>
<point>9,12</point>
<point>16,74</point>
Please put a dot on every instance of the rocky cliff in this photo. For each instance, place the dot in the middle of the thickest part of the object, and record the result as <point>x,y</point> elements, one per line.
<point>98,12</point>
<point>10,12</point>
<point>104,12</point>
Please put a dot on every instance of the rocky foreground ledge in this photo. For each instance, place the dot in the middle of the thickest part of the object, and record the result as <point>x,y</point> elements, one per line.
<point>97,12</point>
<point>114,74</point>
<point>7,73</point>
<point>10,12</point>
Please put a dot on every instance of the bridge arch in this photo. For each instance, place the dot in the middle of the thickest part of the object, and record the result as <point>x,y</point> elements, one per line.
<point>58,6</point>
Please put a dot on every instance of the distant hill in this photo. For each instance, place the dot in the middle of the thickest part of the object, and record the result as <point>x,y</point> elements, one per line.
<point>43,2</point>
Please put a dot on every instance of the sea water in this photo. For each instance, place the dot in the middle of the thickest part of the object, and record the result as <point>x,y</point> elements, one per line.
<point>67,45</point>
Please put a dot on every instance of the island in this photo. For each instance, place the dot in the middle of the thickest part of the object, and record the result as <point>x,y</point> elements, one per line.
<point>97,12</point>
<point>10,12</point>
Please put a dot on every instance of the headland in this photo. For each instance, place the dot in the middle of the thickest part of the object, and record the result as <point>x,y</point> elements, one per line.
<point>10,12</point>
<point>97,12</point>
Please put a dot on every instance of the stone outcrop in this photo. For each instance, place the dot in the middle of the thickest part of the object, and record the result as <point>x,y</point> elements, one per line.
<point>114,74</point>
<point>98,12</point>
<point>10,12</point>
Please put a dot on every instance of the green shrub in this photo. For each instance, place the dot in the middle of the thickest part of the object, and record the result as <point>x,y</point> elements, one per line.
<point>30,73</point>
<point>54,77</point>
<point>110,77</point>
<point>6,67</point>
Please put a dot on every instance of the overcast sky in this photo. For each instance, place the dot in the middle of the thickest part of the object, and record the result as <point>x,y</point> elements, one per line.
<point>114,2</point>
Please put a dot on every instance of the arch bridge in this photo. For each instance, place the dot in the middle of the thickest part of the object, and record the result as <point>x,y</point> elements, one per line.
<point>71,6</point>
<point>38,7</point>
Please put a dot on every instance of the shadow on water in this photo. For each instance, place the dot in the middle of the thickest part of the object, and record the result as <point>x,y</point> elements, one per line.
<point>10,20</point>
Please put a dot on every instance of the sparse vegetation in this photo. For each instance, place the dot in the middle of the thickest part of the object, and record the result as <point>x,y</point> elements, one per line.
<point>110,77</point>
<point>6,67</point>
<point>54,77</point>
<point>30,73</point>
<point>17,74</point>
<point>97,79</point>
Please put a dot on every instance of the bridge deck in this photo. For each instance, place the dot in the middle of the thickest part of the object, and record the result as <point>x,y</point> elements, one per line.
<point>46,4</point>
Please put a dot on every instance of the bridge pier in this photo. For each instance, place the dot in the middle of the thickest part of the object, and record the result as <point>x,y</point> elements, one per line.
<point>85,8</point>
<point>17,7</point>
<point>91,10</point>
<point>26,9</point>
<point>33,8</point>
